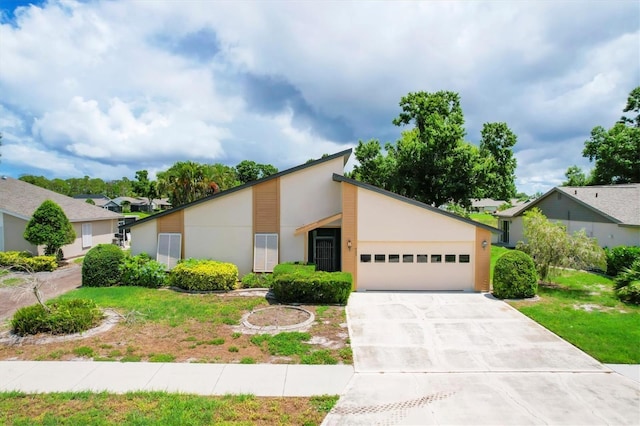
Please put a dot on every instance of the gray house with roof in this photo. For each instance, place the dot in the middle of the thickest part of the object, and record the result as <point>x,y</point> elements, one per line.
<point>609,213</point>
<point>19,200</point>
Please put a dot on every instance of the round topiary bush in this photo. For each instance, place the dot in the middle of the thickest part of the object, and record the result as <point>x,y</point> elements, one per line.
<point>101,266</point>
<point>515,276</point>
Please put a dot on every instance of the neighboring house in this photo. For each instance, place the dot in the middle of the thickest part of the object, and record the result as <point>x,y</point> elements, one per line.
<point>160,204</point>
<point>313,213</point>
<point>136,204</point>
<point>609,213</point>
<point>485,205</point>
<point>101,201</point>
<point>18,200</point>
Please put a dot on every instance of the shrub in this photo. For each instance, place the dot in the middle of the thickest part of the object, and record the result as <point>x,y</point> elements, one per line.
<point>50,226</point>
<point>101,266</point>
<point>627,284</point>
<point>253,280</point>
<point>619,258</point>
<point>294,267</point>
<point>204,275</point>
<point>59,317</point>
<point>303,286</point>
<point>25,261</point>
<point>142,271</point>
<point>514,276</point>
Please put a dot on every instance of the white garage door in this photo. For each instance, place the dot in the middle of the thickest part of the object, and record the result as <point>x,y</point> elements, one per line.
<point>415,266</point>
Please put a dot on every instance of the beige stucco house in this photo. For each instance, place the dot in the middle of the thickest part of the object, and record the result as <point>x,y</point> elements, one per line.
<point>18,200</point>
<point>609,213</point>
<point>313,213</point>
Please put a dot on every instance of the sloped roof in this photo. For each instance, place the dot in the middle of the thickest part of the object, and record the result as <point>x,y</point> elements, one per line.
<point>620,203</point>
<point>340,178</point>
<point>21,199</point>
<point>345,154</point>
<point>486,202</point>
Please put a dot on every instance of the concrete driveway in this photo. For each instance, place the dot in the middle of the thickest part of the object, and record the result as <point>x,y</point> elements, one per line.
<point>466,358</point>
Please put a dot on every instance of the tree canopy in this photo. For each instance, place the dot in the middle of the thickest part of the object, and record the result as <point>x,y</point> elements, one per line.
<point>248,171</point>
<point>432,162</point>
<point>616,151</point>
<point>49,226</point>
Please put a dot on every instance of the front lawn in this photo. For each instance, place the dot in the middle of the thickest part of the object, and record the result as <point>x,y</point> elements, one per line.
<point>167,326</point>
<point>485,218</point>
<point>581,308</point>
<point>159,408</point>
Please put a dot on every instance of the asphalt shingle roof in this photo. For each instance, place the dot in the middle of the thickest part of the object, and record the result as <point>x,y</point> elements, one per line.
<point>21,199</point>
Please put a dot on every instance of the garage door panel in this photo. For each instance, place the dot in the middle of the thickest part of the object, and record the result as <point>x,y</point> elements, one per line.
<point>415,266</point>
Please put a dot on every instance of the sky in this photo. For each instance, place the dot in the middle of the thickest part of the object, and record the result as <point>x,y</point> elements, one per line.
<point>105,88</point>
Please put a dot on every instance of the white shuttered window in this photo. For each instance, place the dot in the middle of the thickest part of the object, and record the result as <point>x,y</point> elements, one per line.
<point>169,249</point>
<point>265,252</point>
<point>87,235</point>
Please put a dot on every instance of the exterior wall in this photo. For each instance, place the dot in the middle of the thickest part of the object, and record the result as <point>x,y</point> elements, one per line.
<point>350,230</point>
<point>516,230</point>
<point>14,228</point>
<point>266,207</point>
<point>482,261</point>
<point>145,239</point>
<point>559,206</point>
<point>221,230</point>
<point>306,196</point>
<point>102,233</point>
<point>607,234</point>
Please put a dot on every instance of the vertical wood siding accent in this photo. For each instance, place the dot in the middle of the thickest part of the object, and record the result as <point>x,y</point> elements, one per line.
<point>172,223</point>
<point>482,261</point>
<point>350,230</point>
<point>266,207</point>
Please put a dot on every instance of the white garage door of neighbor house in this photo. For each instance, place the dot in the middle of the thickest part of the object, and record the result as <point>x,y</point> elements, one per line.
<point>415,266</point>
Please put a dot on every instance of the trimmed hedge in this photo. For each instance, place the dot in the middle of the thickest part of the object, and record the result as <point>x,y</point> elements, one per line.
<point>65,317</point>
<point>204,275</point>
<point>300,283</point>
<point>620,258</point>
<point>256,280</point>
<point>515,276</point>
<point>142,271</point>
<point>101,266</point>
<point>627,284</point>
<point>25,261</point>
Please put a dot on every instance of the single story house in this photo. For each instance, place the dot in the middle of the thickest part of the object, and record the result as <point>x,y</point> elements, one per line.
<point>19,200</point>
<point>609,213</point>
<point>315,214</point>
<point>101,201</point>
<point>487,205</point>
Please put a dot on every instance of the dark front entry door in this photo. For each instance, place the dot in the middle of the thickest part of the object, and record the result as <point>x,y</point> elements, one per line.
<point>324,249</point>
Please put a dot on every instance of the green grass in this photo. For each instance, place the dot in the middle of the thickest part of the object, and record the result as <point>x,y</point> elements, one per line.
<point>581,308</point>
<point>290,343</point>
<point>174,308</point>
<point>158,408</point>
<point>485,218</point>
<point>11,282</point>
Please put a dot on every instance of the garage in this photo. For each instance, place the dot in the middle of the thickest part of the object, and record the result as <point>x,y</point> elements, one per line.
<point>418,266</point>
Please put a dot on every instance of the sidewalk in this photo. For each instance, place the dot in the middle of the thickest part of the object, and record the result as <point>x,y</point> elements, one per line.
<point>201,379</point>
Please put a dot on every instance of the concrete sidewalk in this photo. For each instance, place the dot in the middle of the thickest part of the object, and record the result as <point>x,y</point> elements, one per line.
<point>201,379</point>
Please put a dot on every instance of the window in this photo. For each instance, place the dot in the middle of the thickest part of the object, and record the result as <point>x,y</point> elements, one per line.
<point>407,258</point>
<point>379,258</point>
<point>169,249</point>
<point>450,258</point>
<point>394,258</point>
<point>87,235</point>
<point>422,258</point>
<point>464,258</point>
<point>505,231</point>
<point>365,258</point>
<point>265,252</point>
<point>436,258</point>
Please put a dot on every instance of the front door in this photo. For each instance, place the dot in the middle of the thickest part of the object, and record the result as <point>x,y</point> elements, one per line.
<point>324,249</point>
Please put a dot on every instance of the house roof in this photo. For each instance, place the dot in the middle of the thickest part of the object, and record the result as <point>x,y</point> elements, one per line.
<point>99,200</point>
<point>21,199</point>
<point>345,154</point>
<point>620,203</point>
<point>486,202</point>
<point>340,178</point>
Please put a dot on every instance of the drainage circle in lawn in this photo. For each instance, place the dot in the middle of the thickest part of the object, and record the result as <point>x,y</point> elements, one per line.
<point>278,318</point>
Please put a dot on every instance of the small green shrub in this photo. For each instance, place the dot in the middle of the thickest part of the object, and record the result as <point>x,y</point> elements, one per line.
<point>514,276</point>
<point>304,286</point>
<point>142,271</point>
<point>627,284</point>
<point>25,261</point>
<point>64,317</point>
<point>619,258</point>
<point>101,266</point>
<point>253,280</point>
<point>294,267</point>
<point>204,275</point>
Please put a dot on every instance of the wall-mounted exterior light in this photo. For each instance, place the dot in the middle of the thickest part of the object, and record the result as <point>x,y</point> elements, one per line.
<point>349,244</point>
<point>484,244</point>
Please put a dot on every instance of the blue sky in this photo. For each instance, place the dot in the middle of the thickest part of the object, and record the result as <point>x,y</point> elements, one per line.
<point>105,88</point>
